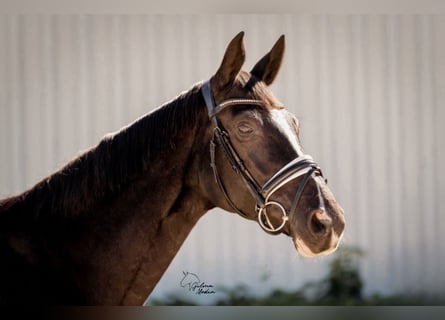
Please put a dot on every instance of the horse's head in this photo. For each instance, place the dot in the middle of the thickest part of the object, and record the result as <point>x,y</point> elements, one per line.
<point>259,168</point>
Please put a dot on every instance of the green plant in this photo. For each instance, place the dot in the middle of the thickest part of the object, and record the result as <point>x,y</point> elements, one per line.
<point>343,283</point>
<point>342,286</point>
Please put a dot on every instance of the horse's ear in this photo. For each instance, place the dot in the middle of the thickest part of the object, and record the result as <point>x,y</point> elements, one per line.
<point>232,62</point>
<point>267,68</point>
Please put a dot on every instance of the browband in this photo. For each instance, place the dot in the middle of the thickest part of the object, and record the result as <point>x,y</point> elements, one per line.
<point>213,109</point>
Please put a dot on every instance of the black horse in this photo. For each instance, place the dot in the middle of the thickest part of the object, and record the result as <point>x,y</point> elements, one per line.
<point>104,228</point>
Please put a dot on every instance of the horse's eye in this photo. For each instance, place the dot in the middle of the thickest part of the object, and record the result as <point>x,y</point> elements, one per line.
<point>244,128</point>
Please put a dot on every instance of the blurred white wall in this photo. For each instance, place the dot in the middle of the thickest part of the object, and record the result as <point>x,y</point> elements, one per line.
<point>369,91</point>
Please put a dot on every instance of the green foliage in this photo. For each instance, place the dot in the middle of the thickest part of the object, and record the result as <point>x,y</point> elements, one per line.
<point>342,286</point>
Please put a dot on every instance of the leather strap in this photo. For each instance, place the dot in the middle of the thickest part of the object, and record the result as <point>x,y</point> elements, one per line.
<point>300,189</point>
<point>303,165</point>
<point>223,139</point>
<point>208,97</point>
<point>218,178</point>
<point>289,172</point>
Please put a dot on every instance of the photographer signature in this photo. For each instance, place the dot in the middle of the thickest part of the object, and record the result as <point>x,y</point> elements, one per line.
<point>191,281</point>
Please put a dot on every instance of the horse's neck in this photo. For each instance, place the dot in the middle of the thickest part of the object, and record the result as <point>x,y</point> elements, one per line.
<point>152,219</point>
<point>119,251</point>
<point>151,240</point>
<point>164,244</point>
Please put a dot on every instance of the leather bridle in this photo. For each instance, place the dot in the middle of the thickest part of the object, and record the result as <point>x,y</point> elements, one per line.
<point>300,166</point>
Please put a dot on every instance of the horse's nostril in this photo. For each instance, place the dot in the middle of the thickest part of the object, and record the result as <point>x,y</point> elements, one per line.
<point>319,222</point>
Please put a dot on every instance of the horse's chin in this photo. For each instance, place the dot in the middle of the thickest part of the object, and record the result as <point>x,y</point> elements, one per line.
<point>305,251</point>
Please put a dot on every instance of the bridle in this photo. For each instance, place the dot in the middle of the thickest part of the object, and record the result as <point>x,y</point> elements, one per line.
<point>300,166</point>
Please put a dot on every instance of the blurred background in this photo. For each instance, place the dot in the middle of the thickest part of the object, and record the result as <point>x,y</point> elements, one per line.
<point>369,91</point>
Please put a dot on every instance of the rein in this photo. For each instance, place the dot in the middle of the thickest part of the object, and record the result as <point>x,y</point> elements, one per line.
<point>300,166</point>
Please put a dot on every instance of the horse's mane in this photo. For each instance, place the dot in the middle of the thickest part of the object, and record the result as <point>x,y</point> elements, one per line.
<point>108,167</point>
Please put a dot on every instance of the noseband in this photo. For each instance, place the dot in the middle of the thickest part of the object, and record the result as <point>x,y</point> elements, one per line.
<point>300,166</point>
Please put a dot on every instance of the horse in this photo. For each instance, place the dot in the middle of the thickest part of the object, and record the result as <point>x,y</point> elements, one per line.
<point>103,229</point>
